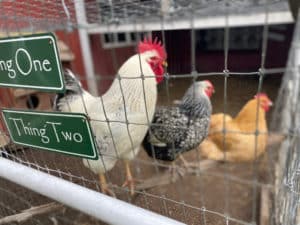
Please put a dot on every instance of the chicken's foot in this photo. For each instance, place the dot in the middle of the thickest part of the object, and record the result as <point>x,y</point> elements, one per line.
<point>104,186</point>
<point>130,182</point>
<point>176,171</point>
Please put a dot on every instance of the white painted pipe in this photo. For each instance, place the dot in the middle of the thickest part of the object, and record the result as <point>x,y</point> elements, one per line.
<point>107,209</point>
<point>86,48</point>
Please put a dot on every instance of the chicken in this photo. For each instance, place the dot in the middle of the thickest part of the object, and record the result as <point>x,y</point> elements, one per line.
<point>239,142</point>
<point>119,119</point>
<point>182,127</point>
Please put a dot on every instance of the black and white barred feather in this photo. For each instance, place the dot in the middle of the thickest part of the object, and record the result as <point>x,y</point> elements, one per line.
<point>73,90</point>
<point>179,128</point>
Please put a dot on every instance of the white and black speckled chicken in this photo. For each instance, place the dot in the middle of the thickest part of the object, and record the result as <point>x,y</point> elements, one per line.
<point>180,128</point>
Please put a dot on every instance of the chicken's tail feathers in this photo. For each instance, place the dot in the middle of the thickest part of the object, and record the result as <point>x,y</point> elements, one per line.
<point>73,84</point>
<point>73,87</point>
<point>157,149</point>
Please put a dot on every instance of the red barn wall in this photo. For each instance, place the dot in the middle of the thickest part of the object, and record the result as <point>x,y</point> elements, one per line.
<point>71,39</point>
<point>17,15</point>
<point>178,45</point>
<point>107,61</point>
<point>15,18</point>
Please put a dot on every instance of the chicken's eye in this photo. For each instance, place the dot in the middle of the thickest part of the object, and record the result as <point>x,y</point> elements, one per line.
<point>153,58</point>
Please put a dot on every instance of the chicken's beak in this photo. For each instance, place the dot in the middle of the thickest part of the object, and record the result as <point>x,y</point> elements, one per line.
<point>164,64</point>
<point>270,103</point>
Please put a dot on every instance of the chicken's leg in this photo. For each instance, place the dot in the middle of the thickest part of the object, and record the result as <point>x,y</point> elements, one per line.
<point>187,165</point>
<point>183,160</point>
<point>104,187</point>
<point>129,182</point>
<point>175,171</point>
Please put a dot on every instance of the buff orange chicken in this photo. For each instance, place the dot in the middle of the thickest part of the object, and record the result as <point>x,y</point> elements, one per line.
<point>245,137</point>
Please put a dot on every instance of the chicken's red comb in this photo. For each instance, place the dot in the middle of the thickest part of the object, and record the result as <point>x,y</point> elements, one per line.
<point>210,83</point>
<point>149,45</point>
<point>261,94</point>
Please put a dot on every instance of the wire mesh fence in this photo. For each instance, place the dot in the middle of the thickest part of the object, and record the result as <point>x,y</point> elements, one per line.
<point>239,66</point>
<point>287,171</point>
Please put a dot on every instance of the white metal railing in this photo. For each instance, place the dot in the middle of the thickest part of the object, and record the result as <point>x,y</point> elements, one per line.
<point>100,206</point>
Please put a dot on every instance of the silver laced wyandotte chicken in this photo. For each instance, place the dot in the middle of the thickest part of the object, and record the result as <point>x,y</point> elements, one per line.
<point>119,118</point>
<point>180,128</point>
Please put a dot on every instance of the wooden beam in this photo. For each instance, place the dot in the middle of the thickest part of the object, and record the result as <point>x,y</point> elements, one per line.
<point>264,218</point>
<point>31,212</point>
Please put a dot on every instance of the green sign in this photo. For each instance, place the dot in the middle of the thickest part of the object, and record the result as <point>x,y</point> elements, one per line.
<point>68,133</point>
<point>31,62</point>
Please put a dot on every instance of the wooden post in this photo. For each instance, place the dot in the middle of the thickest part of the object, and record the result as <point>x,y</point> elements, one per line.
<point>264,218</point>
<point>294,6</point>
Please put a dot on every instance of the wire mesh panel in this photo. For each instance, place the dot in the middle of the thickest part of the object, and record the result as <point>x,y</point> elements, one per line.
<point>240,47</point>
<point>287,186</point>
<point>19,205</point>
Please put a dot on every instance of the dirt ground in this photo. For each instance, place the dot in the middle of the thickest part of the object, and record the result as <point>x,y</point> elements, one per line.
<point>195,198</point>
